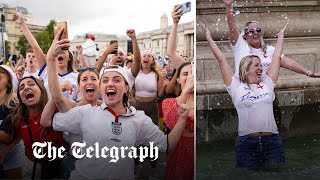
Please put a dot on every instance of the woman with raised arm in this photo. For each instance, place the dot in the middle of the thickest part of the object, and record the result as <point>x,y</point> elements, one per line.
<point>252,91</point>
<point>175,58</point>
<point>135,67</point>
<point>11,155</point>
<point>88,84</point>
<point>113,124</point>
<point>67,74</point>
<point>180,161</point>
<point>252,43</point>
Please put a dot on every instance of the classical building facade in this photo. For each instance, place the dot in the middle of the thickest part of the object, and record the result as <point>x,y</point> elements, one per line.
<point>156,39</point>
<point>13,30</point>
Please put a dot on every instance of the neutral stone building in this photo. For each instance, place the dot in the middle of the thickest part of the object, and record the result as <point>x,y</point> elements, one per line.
<point>216,116</point>
<point>156,39</point>
<point>13,30</point>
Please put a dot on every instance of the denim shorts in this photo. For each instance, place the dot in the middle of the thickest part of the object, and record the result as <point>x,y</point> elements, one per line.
<point>259,151</point>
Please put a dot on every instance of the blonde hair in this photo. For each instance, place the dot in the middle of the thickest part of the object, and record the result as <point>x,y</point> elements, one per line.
<point>11,98</point>
<point>71,62</point>
<point>263,45</point>
<point>244,66</point>
<point>155,67</point>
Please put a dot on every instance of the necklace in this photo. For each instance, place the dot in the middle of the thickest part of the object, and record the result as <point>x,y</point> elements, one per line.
<point>35,121</point>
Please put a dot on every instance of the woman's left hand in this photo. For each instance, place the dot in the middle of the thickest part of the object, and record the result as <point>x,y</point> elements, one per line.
<point>183,111</point>
<point>281,32</point>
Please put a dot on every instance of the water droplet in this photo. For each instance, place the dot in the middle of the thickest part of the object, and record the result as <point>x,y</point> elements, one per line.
<point>237,12</point>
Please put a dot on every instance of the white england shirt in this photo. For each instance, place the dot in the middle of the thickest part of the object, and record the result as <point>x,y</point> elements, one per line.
<point>95,125</point>
<point>254,105</point>
<point>73,94</point>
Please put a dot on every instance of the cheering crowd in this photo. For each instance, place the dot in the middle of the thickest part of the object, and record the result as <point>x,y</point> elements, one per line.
<point>116,102</point>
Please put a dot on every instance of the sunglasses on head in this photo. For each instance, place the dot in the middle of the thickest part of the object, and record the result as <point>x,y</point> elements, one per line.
<point>252,31</point>
<point>84,68</point>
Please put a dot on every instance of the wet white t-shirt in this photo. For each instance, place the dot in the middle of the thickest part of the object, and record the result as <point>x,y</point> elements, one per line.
<point>242,49</point>
<point>254,105</point>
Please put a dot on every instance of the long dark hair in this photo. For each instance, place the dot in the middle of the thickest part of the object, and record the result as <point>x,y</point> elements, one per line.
<point>21,111</point>
<point>178,88</point>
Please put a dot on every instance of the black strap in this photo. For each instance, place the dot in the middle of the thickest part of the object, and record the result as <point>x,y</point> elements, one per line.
<point>32,141</point>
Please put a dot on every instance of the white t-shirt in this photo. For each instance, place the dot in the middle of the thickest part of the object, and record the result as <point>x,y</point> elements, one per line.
<point>95,125</point>
<point>35,74</point>
<point>254,105</point>
<point>73,94</point>
<point>242,49</point>
<point>89,48</point>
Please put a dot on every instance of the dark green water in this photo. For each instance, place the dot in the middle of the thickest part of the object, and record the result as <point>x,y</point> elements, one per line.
<point>217,161</point>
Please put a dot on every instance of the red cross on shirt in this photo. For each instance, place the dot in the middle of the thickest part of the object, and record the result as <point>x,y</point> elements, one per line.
<point>71,91</point>
<point>265,55</point>
<point>260,86</point>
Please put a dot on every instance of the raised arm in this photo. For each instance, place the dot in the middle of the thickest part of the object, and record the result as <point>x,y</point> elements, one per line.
<point>296,67</point>
<point>41,60</point>
<point>101,60</point>
<point>233,29</point>
<point>161,83</point>
<point>188,88</point>
<point>175,58</point>
<point>273,71</point>
<point>225,68</point>
<point>20,61</point>
<point>63,104</point>
<point>175,134</point>
<point>171,86</point>
<point>81,56</point>
<point>47,114</point>
<point>135,68</point>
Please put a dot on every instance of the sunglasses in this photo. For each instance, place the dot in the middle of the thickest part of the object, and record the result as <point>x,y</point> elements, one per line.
<point>252,31</point>
<point>84,68</point>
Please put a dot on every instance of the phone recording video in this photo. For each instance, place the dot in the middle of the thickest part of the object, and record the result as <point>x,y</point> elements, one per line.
<point>111,42</point>
<point>61,25</point>
<point>185,7</point>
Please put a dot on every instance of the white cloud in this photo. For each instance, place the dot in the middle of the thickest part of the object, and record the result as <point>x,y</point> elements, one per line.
<point>102,15</point>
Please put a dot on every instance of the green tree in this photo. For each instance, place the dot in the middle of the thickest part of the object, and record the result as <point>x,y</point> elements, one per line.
<point>44,39</point>
<point>23,45</point>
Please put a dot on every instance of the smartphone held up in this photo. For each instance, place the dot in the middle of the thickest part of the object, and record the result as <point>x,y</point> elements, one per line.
<point>185,7</point>
<point>61,25</point>
<point>112,42</point>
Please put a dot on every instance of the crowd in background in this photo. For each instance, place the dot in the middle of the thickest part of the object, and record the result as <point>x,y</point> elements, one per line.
<point>151,98</point>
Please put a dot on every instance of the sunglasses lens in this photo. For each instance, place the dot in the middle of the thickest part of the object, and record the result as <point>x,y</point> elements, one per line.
<point>252,31</point>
